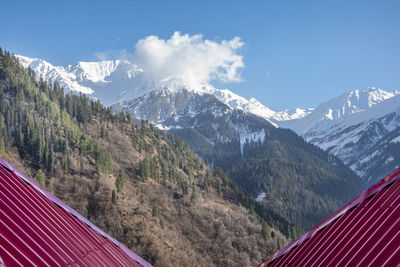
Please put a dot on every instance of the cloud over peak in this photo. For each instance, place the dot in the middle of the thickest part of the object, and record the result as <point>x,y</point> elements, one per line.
<point>189,56</point>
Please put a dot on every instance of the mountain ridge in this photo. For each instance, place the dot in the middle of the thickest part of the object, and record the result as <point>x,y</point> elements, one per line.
<point>84,76</point>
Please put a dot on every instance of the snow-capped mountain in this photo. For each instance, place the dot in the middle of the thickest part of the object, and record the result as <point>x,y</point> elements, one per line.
<point>175,88</point>
<point>171,103</point>
<point>345,110</point>
<point>348,126</point>
<point>353,126</point>
<point>115,81</point>
<point>219,116</point>
<point>109,81</point>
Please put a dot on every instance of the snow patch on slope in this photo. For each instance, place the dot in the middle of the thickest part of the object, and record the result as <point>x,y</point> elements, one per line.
<point>248,136</point>
<point>395,140</point>
<point>261,196</point>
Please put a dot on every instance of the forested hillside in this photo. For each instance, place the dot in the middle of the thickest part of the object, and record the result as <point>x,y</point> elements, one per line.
<point>301,182</point>
<point>143,186</point>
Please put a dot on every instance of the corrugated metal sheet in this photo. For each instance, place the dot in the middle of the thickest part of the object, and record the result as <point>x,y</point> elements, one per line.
<point>364,232</point>
<point>37,228</point>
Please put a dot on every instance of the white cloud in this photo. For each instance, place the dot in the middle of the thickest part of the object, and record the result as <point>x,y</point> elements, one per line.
<point>184,55</point>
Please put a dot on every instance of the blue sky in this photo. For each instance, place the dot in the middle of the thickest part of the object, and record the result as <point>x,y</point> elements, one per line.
<point>296,53</point>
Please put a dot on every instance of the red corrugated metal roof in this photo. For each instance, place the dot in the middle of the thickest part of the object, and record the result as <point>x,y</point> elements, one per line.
<point>37,228</point>
<point>366,231</point>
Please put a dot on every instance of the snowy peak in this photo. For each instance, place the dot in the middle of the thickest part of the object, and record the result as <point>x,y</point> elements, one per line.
<point>348,109</point>
<point>109,81</point>
<point>227,97</point>
<point>54,73</point>
<point>104,71</point>
<point>353,102</point>
<point>37,63</point>
<point>377,95</point>
<point>252,106</point>
<point>292,114</point>
<point>358,101</point>
<point>94,71</point>
<point>173,84</point>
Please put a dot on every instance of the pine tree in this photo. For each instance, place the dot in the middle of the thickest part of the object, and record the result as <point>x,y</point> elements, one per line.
<point>266,231</point>
<point>128,118</point>
<point>154,212</point>
<point>194,194</point>
<point>82,166</point>
<point>2,148</point>
<point>206,185</point>
<point>219,188</point>
<point>120,182</point>
<point>114,197</point>
<point>144,168</point>
<point>40,178</point>
<point>162,224</point>
<point>102,132</point>
<point>154,169</point>
<point>50,158</point>
<point>66,162</point>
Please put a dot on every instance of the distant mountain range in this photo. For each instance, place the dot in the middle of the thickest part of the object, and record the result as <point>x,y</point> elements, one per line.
<point>359,127</point>
<point>117,81</point>
<point>300,181</point>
